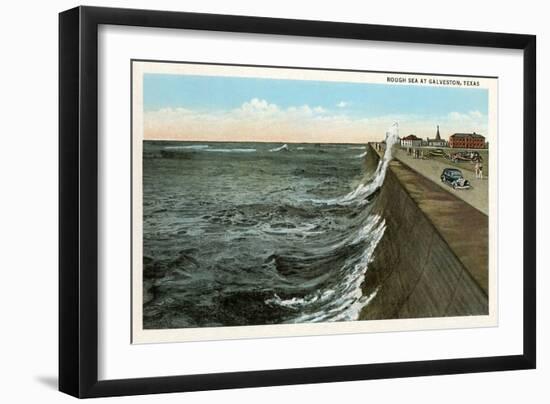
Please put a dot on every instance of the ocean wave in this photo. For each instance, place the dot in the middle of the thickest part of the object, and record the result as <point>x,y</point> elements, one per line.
<point>207,148</point>
<point>304,229</point>
<point>361,194</point>
<point>345,300</point>
<point>298,302</point>
<point>281,148</point>
<point>360,156</point>
<point>192,147</point>
<point>230,150</point>
<point>278,258</point>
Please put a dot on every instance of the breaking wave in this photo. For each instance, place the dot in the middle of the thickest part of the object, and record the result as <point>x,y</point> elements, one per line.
<point>188,147</point>
<point>207,148</point>
<point>344,300</point>
<point>230,150</point>
<point>282,148</point>
<point>361,194</point>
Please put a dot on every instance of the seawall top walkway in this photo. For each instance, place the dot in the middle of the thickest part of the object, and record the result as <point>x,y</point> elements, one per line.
<point>477,196</point>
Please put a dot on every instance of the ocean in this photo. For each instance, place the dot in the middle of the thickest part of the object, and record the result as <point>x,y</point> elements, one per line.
<point>254,233</point>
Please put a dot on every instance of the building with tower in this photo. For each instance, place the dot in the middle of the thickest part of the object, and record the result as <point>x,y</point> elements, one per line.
<point>437,141</point>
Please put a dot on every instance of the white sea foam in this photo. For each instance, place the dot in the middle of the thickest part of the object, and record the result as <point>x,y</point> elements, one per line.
<point>231,150</point>
<point>350,300</point>
<point>303,229</point>
<point>193,147</point>
<point>298,302</point>
<point>359,194</point>
<point>347,300</point>
<point>344,301</point>
<point>360,156</point>
<point>281,148</point>
<point>207,148</point>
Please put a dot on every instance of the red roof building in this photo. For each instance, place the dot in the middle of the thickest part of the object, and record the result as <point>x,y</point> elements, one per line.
<point>467,141</point>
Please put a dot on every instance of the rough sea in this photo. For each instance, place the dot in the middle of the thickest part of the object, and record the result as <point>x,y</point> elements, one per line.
<point>256,233</point>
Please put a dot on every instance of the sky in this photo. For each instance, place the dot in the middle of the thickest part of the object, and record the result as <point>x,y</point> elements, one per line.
<point>189,107</point>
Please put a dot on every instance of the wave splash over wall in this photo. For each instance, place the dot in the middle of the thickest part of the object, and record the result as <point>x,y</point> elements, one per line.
<point>364,190</point>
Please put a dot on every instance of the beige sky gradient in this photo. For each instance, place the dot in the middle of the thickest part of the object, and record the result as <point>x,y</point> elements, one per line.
<point>262,121</point>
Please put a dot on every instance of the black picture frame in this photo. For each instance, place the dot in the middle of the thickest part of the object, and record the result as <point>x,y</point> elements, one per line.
<point>78,200</point>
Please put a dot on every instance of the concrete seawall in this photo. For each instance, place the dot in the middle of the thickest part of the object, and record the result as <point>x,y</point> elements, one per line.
<point>419,269</point>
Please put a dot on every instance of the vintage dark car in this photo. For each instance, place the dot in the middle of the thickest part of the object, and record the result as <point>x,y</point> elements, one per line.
<point>454,177</point>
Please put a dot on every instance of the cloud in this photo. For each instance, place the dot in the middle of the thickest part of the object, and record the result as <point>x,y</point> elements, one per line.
<point>452,122</point>
<point>260,120</point>
<point>257,106</point>
<point>476,114</point>
<point>342,104</point>
<point>457,116</point>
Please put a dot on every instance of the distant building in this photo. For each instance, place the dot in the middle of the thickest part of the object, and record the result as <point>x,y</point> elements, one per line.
<point>437,141</point>
<point>467,141</point>
<point>411,141</point>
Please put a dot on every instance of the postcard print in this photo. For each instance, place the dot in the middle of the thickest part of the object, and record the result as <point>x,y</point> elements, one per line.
<point>280,202</point>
